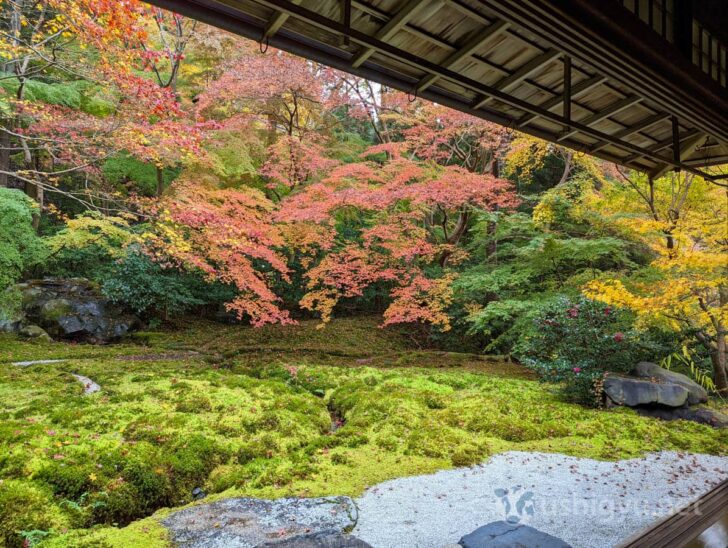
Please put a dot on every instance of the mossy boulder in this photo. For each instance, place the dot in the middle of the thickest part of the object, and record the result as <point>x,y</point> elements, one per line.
<point>34,332</point>
<point>55,309</point>
<point>73,309</point>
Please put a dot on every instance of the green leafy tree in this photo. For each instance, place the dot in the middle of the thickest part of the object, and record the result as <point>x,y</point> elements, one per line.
<point>20,248</point>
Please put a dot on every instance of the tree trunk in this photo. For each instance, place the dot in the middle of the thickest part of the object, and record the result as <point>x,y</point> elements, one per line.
<point>720,371</point>
<point>160,182</point>
<point>461,227</point>
<point>567,168</point>
<point>491,249</point>
<point>4,158</point>
<point>719,357</point>
<point>36,193</point>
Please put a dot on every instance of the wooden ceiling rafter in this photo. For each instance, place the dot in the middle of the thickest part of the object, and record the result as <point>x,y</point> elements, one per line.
<point>600,116</point>
<point>523,72</point>
<point>466,51</point>
<point>395,23</point>
<point>578,90</point>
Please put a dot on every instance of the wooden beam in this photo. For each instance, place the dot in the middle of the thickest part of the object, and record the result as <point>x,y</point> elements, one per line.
<point>478,17</point>
<point>685,147</point>
<point>576,91</point>
<point>520,75</point>
<point>705,162</point>
<point>611,110</point>
<point>675,140</point>
<point>566,110</point>
<point>332,57</point>
<point>478,39</point>
<point>276,22</point>
<point>398,20</point>
<point>610,39</point>
<point>631,130</point>
<point>662,145</point>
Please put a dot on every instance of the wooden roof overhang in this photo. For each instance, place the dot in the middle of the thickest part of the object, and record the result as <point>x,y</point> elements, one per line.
<point>591,76</point>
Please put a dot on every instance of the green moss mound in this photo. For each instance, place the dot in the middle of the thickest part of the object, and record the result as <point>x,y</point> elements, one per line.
<point>268,413</point>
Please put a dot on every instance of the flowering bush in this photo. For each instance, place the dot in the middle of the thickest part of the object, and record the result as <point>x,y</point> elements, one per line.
<point>576,342</point>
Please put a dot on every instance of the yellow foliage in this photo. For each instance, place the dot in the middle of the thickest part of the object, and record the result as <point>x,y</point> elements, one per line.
<point>683,220</point>
<point>110,233</point>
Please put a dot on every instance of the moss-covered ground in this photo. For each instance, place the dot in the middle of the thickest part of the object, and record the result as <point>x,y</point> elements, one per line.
<point>270,412</point>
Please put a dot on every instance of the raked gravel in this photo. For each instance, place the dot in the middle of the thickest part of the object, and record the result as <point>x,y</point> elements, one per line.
<point>587,503</point>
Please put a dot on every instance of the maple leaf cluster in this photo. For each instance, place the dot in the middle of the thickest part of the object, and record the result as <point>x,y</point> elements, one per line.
<point>409,196</point>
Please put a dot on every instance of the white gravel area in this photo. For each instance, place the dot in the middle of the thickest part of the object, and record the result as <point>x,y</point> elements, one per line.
<point>587,503</point>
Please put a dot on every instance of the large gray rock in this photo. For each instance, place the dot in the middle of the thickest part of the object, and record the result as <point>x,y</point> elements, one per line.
<point>323,539</point>
<point>73,309</point>
<point>55,309</point>
<point>501,534</point>
<point>696,393</point>
<point>633,391</point>
<point>34,332</point>
<point>249,522</point>
<point>703,415</point>
<point>10,326</point>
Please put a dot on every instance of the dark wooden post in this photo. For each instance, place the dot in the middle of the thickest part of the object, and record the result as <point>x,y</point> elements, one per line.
<point>567,89</point>
<point>682,26</point>
<point>675,142</point>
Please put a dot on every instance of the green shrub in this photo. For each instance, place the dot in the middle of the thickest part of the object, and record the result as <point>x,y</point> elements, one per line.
<point>577,342</point>
<point>145,287</point>
<point>91,261</point>
<point>11,301</point>
<point>88,245</point>
<point>20,247</point>
<point>140,284</point>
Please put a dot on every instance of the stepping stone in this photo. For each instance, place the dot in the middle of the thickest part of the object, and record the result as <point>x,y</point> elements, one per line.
<point>324,539</point>
<point>501,534</point>
<point>36,362</point>
<point>89,386</point>
<point>249,522</point>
